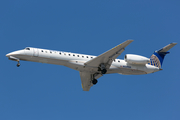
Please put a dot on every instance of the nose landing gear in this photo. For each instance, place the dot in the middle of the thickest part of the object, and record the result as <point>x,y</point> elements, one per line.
<point>14,59</point>
<point>18,64</point>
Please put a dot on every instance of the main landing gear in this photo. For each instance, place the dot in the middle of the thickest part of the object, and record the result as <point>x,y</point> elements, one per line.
<point>95,77</point>
<point>102,68</point>
<point>94,81</point>
<point>103,71</point>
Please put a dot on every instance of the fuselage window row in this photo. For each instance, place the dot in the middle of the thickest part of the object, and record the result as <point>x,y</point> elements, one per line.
<point>64,53</point>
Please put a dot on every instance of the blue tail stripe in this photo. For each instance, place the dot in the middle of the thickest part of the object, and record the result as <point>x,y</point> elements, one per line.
<point>160,57</point>
<point>157,58</point>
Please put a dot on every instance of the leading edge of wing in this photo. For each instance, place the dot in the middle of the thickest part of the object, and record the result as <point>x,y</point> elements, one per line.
<point>110,54</point>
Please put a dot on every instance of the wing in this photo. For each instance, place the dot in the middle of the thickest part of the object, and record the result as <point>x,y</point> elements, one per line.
<point>108,57</point>
<point>86,79</point>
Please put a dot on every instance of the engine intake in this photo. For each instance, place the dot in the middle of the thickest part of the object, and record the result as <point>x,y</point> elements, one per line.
<point>136,59</point>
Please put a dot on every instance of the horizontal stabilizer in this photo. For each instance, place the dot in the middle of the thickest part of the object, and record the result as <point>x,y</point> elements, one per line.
<point>166,48</point>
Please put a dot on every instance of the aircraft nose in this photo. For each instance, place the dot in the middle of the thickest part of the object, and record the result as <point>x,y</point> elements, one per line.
<point>7,55</point>
<point>15,53</point>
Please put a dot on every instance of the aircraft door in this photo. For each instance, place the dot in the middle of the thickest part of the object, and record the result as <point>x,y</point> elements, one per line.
<point>35,52</point>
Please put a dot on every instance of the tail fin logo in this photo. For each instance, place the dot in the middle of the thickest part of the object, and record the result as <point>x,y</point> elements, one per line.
<point>158,56</point>
<point>154,61</point>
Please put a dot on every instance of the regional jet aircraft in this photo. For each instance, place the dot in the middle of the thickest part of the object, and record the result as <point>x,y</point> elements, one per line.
<point>93,67</point>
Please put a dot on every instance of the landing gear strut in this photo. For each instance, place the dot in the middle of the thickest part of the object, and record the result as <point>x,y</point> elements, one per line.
<point>18,64</point>
<point>102,68</point>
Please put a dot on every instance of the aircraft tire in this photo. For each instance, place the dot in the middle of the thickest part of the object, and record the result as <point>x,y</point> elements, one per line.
<point>18,64</point>
<point>94,82</point>
<point>103,71</point>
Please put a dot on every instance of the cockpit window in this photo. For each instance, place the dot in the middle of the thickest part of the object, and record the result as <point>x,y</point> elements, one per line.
<point>27,48</point>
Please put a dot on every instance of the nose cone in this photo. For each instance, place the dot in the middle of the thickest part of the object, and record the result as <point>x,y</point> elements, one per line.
<point>19,52</point>
<point>7,55</point>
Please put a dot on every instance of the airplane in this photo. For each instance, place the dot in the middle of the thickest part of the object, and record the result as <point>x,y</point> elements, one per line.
<point>93,67</point>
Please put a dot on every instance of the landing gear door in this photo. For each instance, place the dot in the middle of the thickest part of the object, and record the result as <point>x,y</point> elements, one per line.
<point>35,52</point>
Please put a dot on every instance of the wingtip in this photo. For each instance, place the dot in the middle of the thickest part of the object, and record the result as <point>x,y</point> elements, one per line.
<point>130,40</point>
<point>174,43</point>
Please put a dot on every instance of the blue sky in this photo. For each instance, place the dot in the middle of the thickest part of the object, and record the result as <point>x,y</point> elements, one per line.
<point>36,91</point>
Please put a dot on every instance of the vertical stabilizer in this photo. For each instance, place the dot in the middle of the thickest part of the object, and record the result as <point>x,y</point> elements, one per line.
<point>158,56</point>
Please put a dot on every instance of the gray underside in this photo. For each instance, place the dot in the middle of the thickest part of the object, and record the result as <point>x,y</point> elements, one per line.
<point>79,65</point>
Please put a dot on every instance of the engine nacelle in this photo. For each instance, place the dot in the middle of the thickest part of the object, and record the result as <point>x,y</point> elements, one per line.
<point>136,59</point>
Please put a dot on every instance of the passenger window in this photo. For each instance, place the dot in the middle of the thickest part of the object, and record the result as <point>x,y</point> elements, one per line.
<point>78,55</point>
<point>60,53</point>
<point>118,61</point>
<point>91,57</point>
<point>73,55</point>
<point>41,50</point>
<point>69,54</point>
<point>114,60</point>
<point>83,56</point>
<point>50,52</point>
<point>87,56</point>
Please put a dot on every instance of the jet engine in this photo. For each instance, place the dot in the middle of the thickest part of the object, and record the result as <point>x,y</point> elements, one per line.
<point>136,59</point>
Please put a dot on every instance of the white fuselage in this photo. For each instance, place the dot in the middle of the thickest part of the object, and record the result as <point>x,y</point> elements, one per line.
<point>76,61</point>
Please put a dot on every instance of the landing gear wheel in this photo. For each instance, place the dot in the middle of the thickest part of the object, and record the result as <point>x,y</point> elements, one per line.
<point>94,81</point>
<point>18,64</point>
<point>103,71</point>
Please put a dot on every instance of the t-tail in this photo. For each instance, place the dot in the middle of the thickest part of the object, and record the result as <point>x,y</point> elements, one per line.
<point>158,56</point>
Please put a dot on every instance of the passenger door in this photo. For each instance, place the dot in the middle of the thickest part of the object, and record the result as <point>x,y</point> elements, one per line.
<point>35,52</point>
